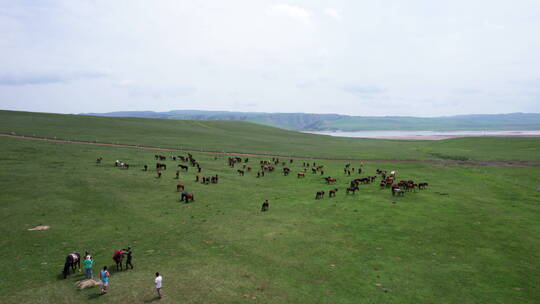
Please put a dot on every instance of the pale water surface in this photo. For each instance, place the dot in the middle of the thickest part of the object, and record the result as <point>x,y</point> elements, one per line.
<point>426,135</point>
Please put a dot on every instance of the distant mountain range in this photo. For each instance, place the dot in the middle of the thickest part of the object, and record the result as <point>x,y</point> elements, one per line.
<point>335,122</point>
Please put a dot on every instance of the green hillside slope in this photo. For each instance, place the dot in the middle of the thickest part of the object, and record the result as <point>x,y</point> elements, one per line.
<point>234,136</point>
<point>325,122</point>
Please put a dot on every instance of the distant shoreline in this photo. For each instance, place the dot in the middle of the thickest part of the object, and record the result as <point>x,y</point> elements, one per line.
<point>427,134</point>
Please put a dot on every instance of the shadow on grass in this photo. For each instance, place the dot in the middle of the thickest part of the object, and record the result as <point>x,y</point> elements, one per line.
<point>94,296</point>
<point>154,299</point>
<point>76,275</point>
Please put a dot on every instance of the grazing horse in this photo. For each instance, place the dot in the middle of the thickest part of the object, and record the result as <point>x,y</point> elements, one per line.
<point>352,189</point>
<point>332,192</point>
<point>265,206</point>
<point>187,197</point>
<point>410,186</point>
<point>179,186</point>
<point>301,174</point>
<point>99,159</point>
<point>183,168</point>
<point>72,260</point>
<point>397,191</point>
<point>422,185</point>
<point>240,172</point>
<point>319,195</point>
<point>286,171</point>
<point>330,179</point>
<point>118,257</point>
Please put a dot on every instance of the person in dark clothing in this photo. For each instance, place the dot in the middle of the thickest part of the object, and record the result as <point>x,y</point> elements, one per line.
<point>128,253</point>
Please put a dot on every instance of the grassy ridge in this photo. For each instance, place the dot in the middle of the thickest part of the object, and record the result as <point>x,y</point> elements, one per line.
<point>233,136</point>
<point>306,121</point>
<point>470,238</point>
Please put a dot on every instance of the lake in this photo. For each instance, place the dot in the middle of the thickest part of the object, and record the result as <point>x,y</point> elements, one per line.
<point>426,135</point>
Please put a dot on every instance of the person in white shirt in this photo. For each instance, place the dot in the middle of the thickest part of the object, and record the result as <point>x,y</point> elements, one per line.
<point>158,284</point>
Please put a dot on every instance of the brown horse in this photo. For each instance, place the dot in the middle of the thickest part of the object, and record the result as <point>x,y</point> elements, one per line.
<point>72,260</point>
<point>352,189</point>
<point>422,185</point>
<point>118,257</point>
<point>330,179</point>
<point>179,186</point>
<point>301,174</point>
<point>332,192</point>
<point>187,197</point>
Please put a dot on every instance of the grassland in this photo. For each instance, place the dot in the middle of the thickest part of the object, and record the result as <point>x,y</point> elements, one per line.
<point>233,136</point>
<point>471,238</point>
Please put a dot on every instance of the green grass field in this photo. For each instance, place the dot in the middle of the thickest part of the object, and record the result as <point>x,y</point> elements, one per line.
<point>233,136</point>
<point>471,237</point>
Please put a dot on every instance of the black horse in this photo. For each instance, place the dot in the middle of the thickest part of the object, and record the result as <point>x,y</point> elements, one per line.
<point>72,260</point>
<point>265,206</point>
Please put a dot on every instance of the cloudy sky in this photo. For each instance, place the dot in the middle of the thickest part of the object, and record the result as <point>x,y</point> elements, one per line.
<point>358,57</point>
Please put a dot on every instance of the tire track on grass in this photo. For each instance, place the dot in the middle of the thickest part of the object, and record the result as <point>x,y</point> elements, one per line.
<point>150,148</point>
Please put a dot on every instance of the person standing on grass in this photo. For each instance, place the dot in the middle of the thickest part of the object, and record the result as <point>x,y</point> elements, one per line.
<point>127,252</point>
<point>88,263</point>
<point>105,280</point>
<point>158,281</point>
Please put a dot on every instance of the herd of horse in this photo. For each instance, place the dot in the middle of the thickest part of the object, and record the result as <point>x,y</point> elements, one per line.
<point>388,180</point>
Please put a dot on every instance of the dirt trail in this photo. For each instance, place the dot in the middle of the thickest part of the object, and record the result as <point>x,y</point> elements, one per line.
<point>485,163</point>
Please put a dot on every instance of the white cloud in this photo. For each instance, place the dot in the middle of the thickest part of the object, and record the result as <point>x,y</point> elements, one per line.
<point>332,12</point>
<point>277,56</point>
<point>294,12</point>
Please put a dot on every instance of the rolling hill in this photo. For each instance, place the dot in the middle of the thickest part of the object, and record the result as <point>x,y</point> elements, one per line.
<point>246,137</point>
<point>331,122</point>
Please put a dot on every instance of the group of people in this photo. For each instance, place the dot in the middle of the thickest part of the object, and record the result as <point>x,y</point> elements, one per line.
<point>105,275</point>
